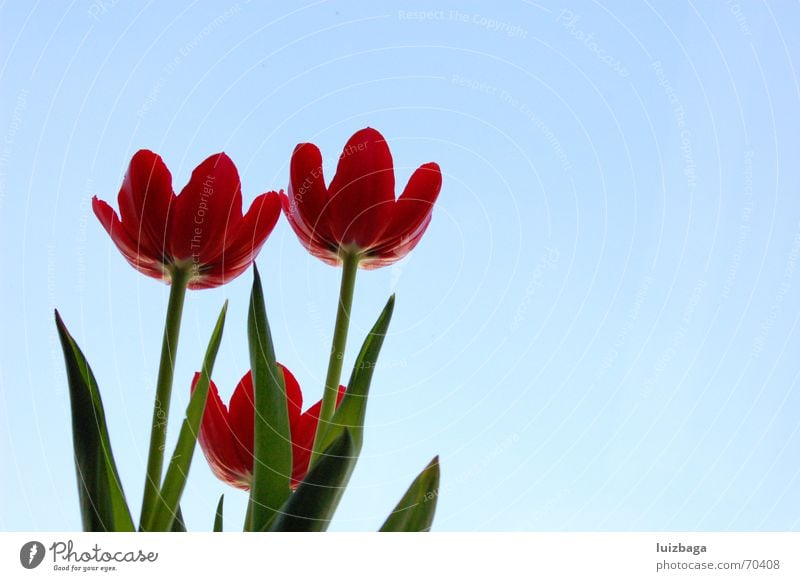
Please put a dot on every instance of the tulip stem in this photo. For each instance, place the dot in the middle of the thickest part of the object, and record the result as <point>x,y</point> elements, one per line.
<point>166,371</point>
<point>349,269</point>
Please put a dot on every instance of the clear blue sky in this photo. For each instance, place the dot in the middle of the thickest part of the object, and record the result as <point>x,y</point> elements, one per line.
<point>596,332</point>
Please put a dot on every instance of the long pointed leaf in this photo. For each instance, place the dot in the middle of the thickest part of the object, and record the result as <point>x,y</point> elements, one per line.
<point>102,500</point>
<point>312,505</point>
<point>178,524</point>
<point>218,515</point>
<point>272,448</point>
<point>351,412</point>
<point>414,512</point>
<point>175,480</point>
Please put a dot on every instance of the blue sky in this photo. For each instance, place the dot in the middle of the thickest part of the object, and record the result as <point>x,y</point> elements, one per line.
<point>596,331</point>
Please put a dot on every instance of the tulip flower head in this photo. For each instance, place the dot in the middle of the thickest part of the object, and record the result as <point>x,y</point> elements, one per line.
<point>227,434</point>
<point>200,232</point>
<point>358,213</point>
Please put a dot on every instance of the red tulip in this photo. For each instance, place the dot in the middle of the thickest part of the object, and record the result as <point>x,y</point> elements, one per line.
<point>358,212</point>
<point>226,434</point>
<point>202,230</point>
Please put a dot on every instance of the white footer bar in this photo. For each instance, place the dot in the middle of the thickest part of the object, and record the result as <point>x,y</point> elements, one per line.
<point>354,556</point>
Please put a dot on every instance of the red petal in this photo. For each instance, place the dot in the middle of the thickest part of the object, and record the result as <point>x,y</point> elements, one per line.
<point>362,192</point>
<point>128,247</point>
<point>410,217</point>
<point>217,442</point>
<point>253,231</point>
<point>293,394</point>
<point>242,418</point>
<point>303,432</point>
<point>144,203</point>
<point>308,209</point>
<point>325,251</point>
<point>301,448</point>
<point>242,411</point>
<point>396,252</point>
<point>207,212</point>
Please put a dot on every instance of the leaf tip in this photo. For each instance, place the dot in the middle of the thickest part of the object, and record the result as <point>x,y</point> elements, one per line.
<point>60,326</point>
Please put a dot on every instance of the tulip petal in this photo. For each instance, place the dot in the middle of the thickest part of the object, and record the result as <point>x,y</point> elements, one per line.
<point>410,217</point>
<point>308,207</point>
<point>312,241</point>
<point>397,251</point>
<point>207,212</point>
<point>293,394</point>
<point>145,200</point>
<point>242,413</point>
<point>127,246</point>
<point>303,431</point>
<point>218,443</point>
<point>241,417</point>
<point>362,192</point>
<point>251,234</point>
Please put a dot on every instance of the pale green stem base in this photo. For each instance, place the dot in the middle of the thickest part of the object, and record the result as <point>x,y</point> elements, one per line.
<point>346,291</point>
<point>166,371</point>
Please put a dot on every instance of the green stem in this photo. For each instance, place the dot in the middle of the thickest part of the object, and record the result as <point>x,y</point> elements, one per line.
<point>166,371</point>
<point>349,269</point>
<point>248,516</point>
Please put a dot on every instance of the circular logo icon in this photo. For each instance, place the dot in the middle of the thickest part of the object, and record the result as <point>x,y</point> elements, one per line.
<point>31,554</point>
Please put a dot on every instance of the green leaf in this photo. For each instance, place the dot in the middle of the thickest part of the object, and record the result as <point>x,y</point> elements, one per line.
<point>218,515</point>
<point>414,512</point>
<point>351,412</point>
<point>178,524</point>
<point>175,481</point>
<point>311,507</point>
<point>349,416</point>
<point>272,447</point>
<point>102,500</point>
